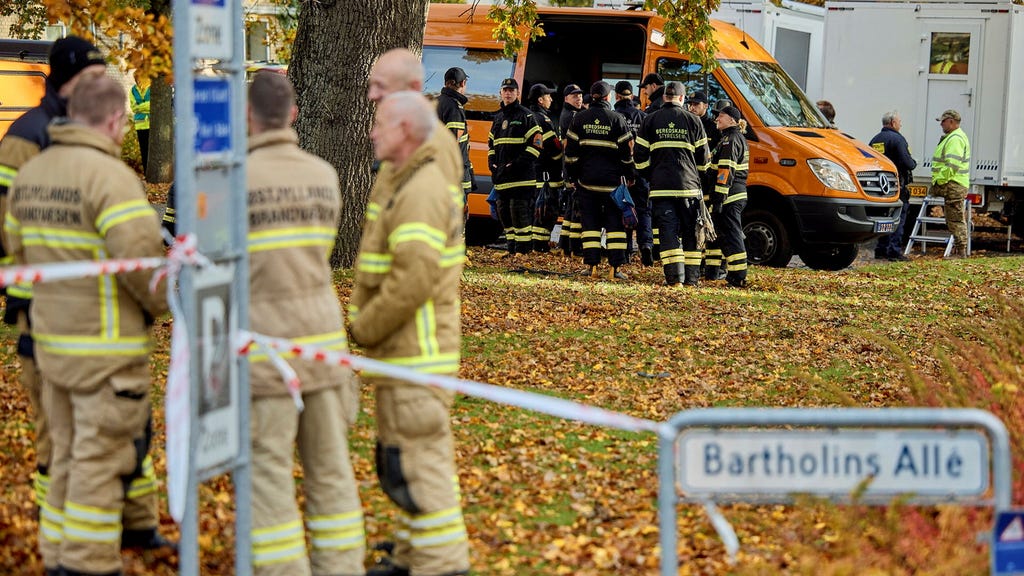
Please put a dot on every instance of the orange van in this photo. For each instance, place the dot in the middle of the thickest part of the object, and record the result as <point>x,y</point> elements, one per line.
<point>813,191</point>
<point>23,70</point>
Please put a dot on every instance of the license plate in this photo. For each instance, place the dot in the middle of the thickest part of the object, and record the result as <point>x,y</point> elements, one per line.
<point>918,190</point>
<point>885,227</point>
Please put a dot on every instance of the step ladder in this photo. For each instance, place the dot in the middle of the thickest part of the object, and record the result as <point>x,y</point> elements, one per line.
<point>922,233</point>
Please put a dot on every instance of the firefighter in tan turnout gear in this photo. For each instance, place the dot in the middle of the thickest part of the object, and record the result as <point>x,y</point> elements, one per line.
<point>404,310</point>
<point>78,201</point>
<point>294,207</point>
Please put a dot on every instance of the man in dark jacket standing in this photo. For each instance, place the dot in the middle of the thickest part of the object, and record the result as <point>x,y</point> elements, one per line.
<point>625,105</point>
<point>451,111</point>
<point>549,168</point>
<point>514,145</point>
<point>654,87</point>
<point>891,143</point>
<point>569,240</point>
<point>672,151</point>
<point>598,156</point>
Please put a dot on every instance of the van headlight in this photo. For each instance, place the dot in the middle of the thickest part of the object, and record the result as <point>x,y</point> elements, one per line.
<point>832,175</point>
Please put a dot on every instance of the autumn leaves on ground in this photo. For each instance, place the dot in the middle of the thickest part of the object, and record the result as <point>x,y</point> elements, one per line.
<point>544,496</point>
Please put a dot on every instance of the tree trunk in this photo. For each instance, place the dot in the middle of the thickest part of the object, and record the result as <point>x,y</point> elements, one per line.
<point>161,133</point>
<point>335,46</point>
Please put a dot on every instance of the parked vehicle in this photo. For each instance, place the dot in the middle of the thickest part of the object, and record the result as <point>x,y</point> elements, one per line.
<point>793,32</point>
<point>923,58</point>
<point>23,70</point>
<point>812,190</point>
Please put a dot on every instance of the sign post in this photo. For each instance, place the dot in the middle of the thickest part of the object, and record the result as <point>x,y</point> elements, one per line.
<point>211,203</point>
<point>766,455</point>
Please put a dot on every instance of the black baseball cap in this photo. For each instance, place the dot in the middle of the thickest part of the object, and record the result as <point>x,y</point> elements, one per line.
<point>69,56</point>
<point>731,111</point>
<point>697,97</point>
<point>721,104</point>
<point>572,89</point>
<point>509,83</point>
<point>652,78</point>
<point>601,89</point>
<point>538,90</point>
<point>455,74</point>
<point>624,88</point>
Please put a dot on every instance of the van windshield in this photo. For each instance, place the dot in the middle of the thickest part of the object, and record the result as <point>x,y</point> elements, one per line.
<point>486,69</point>
<point>773,95</point>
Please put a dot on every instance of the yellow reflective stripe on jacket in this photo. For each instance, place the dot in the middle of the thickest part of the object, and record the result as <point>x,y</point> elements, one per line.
<point>278,544</point>
<point>417,232</point>
<point>122,212</point>
<point>507,185</point>
<point>11,224</point>
<point>500,141</point>
<point>453,256</point>
<point>374,263</point>
<point>447,363</point>
<point>59,238</point>
<point>110,312</point>
<point>91,345</point>
<point>372,211</point>
<point>7,175</point>
<point>455,125</point>
<point>673,144</point>
<point>23,291</point>
<point>337,531</point>
<point>599,143</point>
<point>690,193</point>
<point>328,341</point>
<point>426,329</point>
<point>145,483</point>
<point>263,240</point>
<point>735,197</point>
<point>727,163</point>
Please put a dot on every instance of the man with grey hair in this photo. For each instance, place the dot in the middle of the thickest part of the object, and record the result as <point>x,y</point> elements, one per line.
<point>292,296</point>
<point>404,311</point>
<point>894,146</point>
<point>399,69</point>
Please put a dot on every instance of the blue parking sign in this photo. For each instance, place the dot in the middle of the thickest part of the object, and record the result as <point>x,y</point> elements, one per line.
<point>212,105</point>
<point>1008,543</point>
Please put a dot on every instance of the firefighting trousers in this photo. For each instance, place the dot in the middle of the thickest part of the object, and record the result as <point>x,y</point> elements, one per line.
<point>33,385</point>
<point>644,229</point>
<point>598,211</point>
<point>571,238</point>
<point>334,515</point>
<point>98,458</point>
<point>516,216</point>
<point>545,215</point>
<point>416,468</point>
<point>676,221</point>
<point>729,227</point>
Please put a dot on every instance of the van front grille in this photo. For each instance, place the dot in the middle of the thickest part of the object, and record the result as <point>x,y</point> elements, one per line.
<point>880,184</point>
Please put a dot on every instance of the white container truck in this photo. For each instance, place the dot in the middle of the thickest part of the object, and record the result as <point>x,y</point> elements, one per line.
<point>921,58</point>
<point>793,32</point>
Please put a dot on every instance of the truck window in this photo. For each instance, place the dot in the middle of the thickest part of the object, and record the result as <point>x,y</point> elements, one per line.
<point>693,77</point>
<point>485,68</point>
<point>773,95</point>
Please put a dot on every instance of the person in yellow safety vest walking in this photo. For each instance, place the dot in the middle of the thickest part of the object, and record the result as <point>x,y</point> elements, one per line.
<point>140,115</point>
<point>951,167</point>
<point>292,296</point>
<point>404,311</point>
<point>78,201</point>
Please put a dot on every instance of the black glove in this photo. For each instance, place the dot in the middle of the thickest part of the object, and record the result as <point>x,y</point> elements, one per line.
<point>716,202</point>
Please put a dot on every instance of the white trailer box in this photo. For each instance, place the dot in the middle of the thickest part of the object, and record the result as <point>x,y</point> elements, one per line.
<point>925,57</point>
<point>792,31</point>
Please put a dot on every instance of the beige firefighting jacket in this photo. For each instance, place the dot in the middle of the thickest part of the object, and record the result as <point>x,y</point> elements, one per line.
<point>404,307</point>
<point>294,207</point>
<point>78,201</point>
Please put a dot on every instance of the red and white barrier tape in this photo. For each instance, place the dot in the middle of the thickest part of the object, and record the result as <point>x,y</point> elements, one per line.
<point>11,275</point>
<point>550,405</point>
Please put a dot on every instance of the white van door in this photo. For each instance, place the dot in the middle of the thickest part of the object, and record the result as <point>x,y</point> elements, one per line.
<point>949,68</point>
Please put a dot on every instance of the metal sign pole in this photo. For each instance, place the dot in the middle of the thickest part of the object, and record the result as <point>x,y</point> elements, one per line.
<point>211,203</point>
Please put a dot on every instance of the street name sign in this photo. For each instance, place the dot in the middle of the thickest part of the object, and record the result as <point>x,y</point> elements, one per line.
<point>834,462</point>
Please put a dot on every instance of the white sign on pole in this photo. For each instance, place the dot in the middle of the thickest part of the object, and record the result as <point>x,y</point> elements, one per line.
<point>218,442</point>
<point>211,29</point>
<point>925,462</point>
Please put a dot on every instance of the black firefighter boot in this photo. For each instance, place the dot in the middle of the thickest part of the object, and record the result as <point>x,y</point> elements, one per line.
<point>692,275</point>
<point>146,539</point>
<point>69,572</point>
<point>673,274</point>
